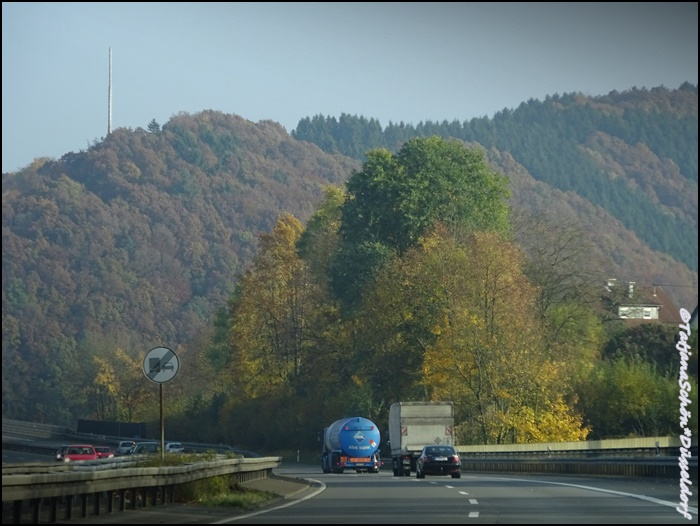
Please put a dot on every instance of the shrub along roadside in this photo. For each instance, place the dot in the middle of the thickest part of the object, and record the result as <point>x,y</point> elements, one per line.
<point>215,491</point>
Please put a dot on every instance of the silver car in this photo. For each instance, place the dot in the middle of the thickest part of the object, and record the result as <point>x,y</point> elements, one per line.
<point>174,447</point>
<point>125,447</point>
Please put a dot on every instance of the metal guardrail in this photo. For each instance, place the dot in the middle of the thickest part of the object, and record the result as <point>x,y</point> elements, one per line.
<point>624,447</point>
<point>656,457</point>
<point>34,430</point>
<point>635,447</point>
<point>55,435</point>
<point>98,484</point>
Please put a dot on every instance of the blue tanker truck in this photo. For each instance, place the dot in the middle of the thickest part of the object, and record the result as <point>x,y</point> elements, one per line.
<point>351,443</point>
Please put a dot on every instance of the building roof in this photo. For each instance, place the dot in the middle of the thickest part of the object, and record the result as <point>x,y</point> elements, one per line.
<point>631,294</point>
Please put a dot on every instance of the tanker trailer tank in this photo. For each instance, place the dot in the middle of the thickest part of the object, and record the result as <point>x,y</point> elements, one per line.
<point>351,443</point>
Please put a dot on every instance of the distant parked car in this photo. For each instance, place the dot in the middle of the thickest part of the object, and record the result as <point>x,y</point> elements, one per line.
<point>125,447</point>
<point>78,452</point>
<point>61,452</point>
<point>439,460</point>
<point>174,447</point>
<point>146,447</point>
<point>104,452</point>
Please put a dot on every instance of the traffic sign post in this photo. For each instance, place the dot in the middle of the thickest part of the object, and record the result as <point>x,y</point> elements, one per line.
<point>161,365</point>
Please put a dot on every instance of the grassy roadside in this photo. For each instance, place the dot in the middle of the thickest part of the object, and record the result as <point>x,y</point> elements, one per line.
<point>216,491</point>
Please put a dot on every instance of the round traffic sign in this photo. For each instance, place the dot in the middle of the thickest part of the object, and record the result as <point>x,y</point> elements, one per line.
<point>161,365</point>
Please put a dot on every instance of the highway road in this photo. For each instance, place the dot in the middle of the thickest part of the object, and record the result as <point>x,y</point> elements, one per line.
<point>352,498</point>
<point>475,498</point>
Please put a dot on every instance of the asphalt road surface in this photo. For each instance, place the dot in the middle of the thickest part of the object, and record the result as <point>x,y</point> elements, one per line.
<point>307,496</point>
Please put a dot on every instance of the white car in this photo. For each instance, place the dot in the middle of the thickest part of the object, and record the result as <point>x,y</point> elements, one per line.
<point>174,447</point>
<point>125,447</point>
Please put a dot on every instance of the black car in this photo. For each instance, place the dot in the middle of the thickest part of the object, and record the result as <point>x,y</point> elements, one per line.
<point>439,460</point>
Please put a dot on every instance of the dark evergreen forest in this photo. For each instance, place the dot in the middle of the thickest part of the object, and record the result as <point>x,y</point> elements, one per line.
<point>555,141</point>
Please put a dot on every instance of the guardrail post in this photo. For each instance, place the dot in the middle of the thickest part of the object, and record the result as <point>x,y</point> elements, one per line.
<point>83,505</point>
<point>68,515</point>
<point>36,510</point>
<point>17,512</point>
<point>97,497</point>
<point>53,505</point>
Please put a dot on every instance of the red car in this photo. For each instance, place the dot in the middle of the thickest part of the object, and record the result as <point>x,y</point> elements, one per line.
<point>80,452</point>
<point>104,452</point>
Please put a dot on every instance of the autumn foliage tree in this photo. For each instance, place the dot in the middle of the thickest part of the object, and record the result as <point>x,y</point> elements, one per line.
<point>120,391</point>
<point>488,355</point>
<point>269,315</point>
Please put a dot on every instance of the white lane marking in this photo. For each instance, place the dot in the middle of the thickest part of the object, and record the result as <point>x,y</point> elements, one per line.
<point>473,514</point>
<point>296,501</point>
<point>601,490</point>
<point>473,501</point>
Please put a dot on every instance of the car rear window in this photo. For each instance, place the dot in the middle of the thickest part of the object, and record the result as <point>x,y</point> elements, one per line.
<point>441,451</point>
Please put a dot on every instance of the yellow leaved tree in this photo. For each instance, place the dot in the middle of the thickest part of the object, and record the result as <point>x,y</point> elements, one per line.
<point>120,389</point>
<point>489,354</point>
<point>269,315</point>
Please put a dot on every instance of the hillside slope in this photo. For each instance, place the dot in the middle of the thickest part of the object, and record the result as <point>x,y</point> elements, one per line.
<point>139,240</point>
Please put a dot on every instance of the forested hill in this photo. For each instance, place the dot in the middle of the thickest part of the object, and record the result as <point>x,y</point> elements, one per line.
<point>137,241</point>
<point>634,154</point>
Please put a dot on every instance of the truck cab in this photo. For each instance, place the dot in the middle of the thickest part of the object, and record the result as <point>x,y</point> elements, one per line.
<point>331,463</point>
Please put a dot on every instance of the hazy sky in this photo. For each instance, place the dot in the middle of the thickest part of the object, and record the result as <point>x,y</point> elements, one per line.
<point>394,62</point>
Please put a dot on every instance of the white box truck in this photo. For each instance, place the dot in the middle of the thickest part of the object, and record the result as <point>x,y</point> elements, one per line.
<point>413,425</point>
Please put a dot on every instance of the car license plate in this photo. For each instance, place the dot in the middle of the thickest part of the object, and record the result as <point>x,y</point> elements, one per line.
<point>441,459</point>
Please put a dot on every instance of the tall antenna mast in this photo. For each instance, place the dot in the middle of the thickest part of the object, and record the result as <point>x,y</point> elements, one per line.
<point>109,96</point>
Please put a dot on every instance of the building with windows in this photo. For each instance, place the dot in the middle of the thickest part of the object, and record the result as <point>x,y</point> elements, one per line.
<point>637,303</point>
